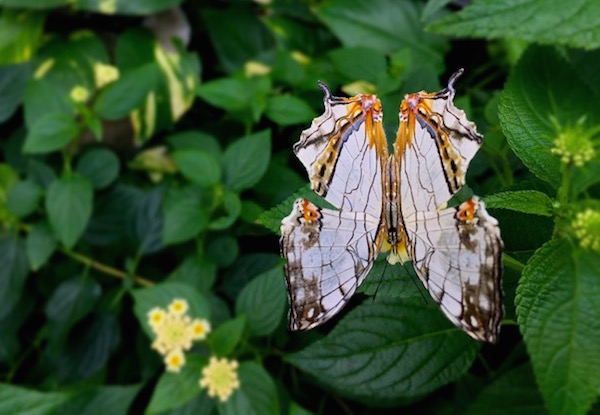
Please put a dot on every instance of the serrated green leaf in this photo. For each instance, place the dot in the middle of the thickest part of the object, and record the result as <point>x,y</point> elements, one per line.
<point>13,272</point>
<point>515,393</point>
<point>526,201</point>
<point>540,81</point>
<point>18,400</point>
<point>389,349</point>
<point>198,167</point>
<point>100,165</point>
<point>23,198</point>
<point>114,400</point>
<point>20,34</point>
<point>161,295</point>
<point>175,389</point>
<point>512,19</point>
<point>226,337</point>
<point>246,160</point>
<point>559,317</point>
<point>263,301</point>
<point>257,394</point>
<point>289,110</point>
<point>121,97</point>
<point>69,206</point>
<point>40,245</point>
<point>51,132</point>
<point>391,280</point>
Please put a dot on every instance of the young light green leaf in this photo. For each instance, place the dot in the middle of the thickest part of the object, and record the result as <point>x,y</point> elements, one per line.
<point>40,244</point>
<point>246,160</point>
<point>514,393</point>
<point>511,19</point>
<point>18,400</point>
<point>13,272</point>
<point>23,198</point>
<point>161,295</point>
<point>198,167</point>
<point>257,394</point>
<point>51,132</point>
<point>226,337</point>
<point>526,201</point>
<point>175,389</point>
<point>540,80</point>
<point>69,206</point>
<point>389,349</point>
<point>559,316</point>
<point>289,110</point>
<point>263,302</point>
<point>100,165</point>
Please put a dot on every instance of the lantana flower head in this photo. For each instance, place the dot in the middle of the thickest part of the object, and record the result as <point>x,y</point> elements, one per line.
<point>220,378</point>
<point>587,229</point>
<point>574,144</point>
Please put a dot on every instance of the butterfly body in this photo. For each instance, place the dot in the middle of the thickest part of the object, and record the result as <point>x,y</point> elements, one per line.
<point>393,200</point>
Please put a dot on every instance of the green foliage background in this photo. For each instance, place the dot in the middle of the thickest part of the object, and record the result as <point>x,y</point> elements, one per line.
<point>171,180</point>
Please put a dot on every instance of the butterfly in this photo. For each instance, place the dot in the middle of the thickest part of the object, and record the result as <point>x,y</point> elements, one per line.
<point>392,201</point>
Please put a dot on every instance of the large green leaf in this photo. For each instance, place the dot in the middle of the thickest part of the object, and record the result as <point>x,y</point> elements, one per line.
<point>542,85</point>
<point>40,244</point>
<point>100,165</point>
<point>114,400</point>
<point>197,270</point>
<point>513,393</point>
<point>18,400</point>
<point>135,7</point>
<point>389,349</point>
<point>198,166</point>
<point>526,201</point>
<point>257,394</point>
<point>359,63</point>
<point>13,80</point>
<point>387,280</point>
<point>246,160</point>
<point>263,302</point>
<point>51,132</point>
<point>13,272</point>
<point>34,4</point>
<point>289,110</point>
<point>175,389</point>
<point>185,215</point>
<point>226,337</point>
<point>20,33</point>
<point>573,24</point>
<point>559,315</point>
<point>23,198</point>
<point>69,206</point>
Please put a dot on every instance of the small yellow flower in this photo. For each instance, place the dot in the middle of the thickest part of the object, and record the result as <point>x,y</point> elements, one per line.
<point>255,68</point>
<point>587,229</point>
<point>178,306</point>
<point>200,328</point>
<point>574,144</point>
<point>220,378</point>
<point>79,94</point>
<point>156,317</point>
<point>174,333</point>
<point>300,57</point>
<point>175,360</point>
<point>105,74</point>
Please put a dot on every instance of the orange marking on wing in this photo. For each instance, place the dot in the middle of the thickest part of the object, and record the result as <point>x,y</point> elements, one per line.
<point>466,211</point>
<point>311,213</point>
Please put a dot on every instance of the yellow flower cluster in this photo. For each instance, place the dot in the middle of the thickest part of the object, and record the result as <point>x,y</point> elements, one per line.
<point>79,94</point>
<point>175,331</point>
<point>574,144</point>
<point>220,378</point>
<point>587,229</point>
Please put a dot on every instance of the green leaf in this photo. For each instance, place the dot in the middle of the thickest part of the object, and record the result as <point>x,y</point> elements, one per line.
<point>185,216</point>
<point>134,7</point>
<point>231,94</point>
<point>20,34</point>
<point>226,337</point>
<point>196,270</point>
<point>389,349</point>
<point>289,110</point>
<point>224,250</point>
<point>559,317</point>
<point>391,280</point>
<point>18,400</point>
<point>201,404</point>
<point>246,160</point>
<point>195,140</point>
<point>13,272</point>
<point>526,201</point>
<point>175,389</point>
<point>198,167</point>
<point>71,301</point>
<point>69,206</point>
<point>359,63</point>
<point>542,85</point>
<point>263,301</point>
<point>23,198</point>
<point>257,394</point>
<point>515,393</point>
<point>100,165</point>
<point>121,97</point>
<point>232,206</point>
<point>13,80</point>
<point>147,222</point>
<point>114,400</point>
<point>512,19</point>
<point>34,4</point>
<point>40,244</point>
<point>161,295</point>
<point>51,132</point>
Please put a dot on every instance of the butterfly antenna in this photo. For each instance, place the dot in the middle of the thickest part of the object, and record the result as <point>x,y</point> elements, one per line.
<point>380,279</point>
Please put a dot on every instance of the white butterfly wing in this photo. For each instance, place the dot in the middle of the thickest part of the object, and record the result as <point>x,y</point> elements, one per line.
<point>329,253</point>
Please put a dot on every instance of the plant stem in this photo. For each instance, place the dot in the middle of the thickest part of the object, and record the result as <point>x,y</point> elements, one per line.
<point>510,262</point>
<point>105,269</point>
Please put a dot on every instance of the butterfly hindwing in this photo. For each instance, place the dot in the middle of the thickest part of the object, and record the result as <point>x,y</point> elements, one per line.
<point>329,253</point>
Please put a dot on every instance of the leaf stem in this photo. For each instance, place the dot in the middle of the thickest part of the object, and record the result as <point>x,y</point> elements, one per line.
<point>512,263</point>
<point>563,191</point>
<point>105,269</point>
